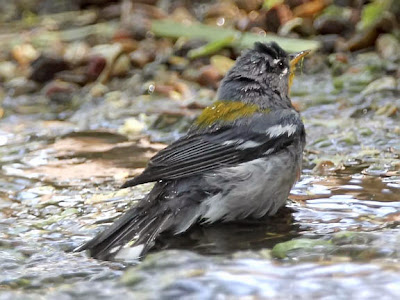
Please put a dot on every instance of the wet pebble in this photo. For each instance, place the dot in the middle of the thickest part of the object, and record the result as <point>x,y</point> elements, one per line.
<point>221,63</point>
<point>99,90</point>
<point>334,19</point>
<point>95,66</point>
<point>182,15</point>
<point>8,70</point>
<point>132,126</point>
<point>141,57</point>
<point>50,210</point>
<point>358,41</point>
<point>76,53</point>
<point>209,76</point>
<point>386,83</point>
<point>74,77</point>
<point>21,86</point>
<point>111,53</point>
<point>388,47</point>
<point>60,92</point>
<point>249,5</point>
<point>121,66</point>
<point>275,17</point>
<point>330,26</point>
<point>45,67</point>
<point>24,54</point>
<point>178,63</point>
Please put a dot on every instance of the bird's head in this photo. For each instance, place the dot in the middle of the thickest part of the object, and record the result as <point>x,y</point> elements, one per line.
<point>264,69</point>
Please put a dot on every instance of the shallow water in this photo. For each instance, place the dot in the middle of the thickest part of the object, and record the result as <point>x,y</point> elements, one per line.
<point>338,238</point>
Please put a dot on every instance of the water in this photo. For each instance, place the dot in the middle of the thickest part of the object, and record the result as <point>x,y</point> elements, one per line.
<point>338,238</point>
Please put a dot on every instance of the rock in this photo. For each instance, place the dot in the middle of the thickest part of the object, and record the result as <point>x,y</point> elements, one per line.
<point>121,66</point>
<point>98,90</point>
<point>367,36</point>
<point>381,84</point>
<point>222,63</point>
<point>45,67</point>
<point>309,8</point>
<point>328,42</point>
<point>330,26</point>
<point>359,41</point>
<point>177,63</point>
<point>224,9</point>
<point>334,20</point>
<point>24,54</point>
<point>388,110</point>
<point>126,39</point>
<point>95,66</point>
<point>249,5</point>
<point>76,52</point>
<point>324,167</point>
<point>7,70</point>
<point>149,11</point>
<point>60,92</point>
<point>132,126</point>
<point>163,89</point>
<point>209,76</point>
<point>277,16</point>
<point>297,25</point>
<point>20,86</point>
<point>182,15</point>
<point>73,77</point>
<point>141,57</point>
<point>111,53</point>
<point>388,47</point>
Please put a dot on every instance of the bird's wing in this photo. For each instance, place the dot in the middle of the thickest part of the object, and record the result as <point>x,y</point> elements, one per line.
<point>246,139</point>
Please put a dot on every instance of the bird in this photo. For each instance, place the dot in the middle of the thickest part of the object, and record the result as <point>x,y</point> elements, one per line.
<point>238,160</point>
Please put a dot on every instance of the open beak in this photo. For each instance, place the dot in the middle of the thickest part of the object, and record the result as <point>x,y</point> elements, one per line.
<point>296,57</point>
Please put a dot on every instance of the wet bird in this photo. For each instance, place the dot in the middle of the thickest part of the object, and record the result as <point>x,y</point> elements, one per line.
<point>239,160</point>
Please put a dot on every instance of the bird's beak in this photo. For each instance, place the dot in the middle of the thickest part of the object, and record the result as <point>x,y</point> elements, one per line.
<point>296,57</point>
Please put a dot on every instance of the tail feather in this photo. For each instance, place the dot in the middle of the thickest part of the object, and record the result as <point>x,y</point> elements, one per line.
<point>115,227</point>
<point>134,223</point>
<point>145,241</point>
<point>107,243</point>
<point>148,236</point>
<point>146,221</point>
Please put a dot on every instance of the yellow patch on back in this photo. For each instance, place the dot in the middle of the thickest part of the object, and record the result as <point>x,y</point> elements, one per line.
<point>226,111</point>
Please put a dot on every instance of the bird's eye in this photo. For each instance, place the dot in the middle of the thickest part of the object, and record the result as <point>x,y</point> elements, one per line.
<point>279,63</point>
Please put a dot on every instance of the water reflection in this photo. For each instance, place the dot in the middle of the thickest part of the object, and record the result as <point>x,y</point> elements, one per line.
<point>227,238</point>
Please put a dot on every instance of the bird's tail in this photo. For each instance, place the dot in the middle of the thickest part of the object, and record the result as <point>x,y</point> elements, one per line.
<point>140,226</point>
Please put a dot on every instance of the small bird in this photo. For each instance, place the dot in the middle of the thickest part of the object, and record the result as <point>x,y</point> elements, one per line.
<point>239,159</point>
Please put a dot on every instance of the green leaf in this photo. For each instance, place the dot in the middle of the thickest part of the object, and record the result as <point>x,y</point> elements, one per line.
<point>271,3</point>
<point>171,29</point>
<point>372,13</point>
<point>211,47</point>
